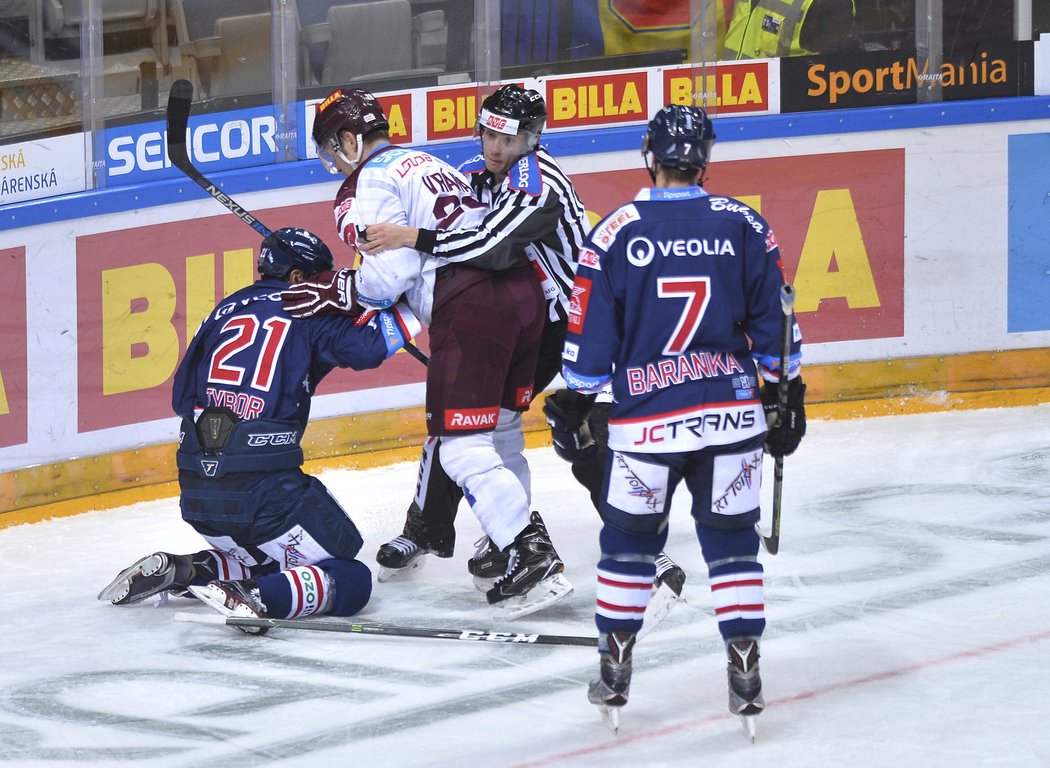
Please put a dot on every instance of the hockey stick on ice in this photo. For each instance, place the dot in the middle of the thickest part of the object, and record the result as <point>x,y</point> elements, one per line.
<point>787,303</point>
<point>336,624</point>
<point>179,100</point>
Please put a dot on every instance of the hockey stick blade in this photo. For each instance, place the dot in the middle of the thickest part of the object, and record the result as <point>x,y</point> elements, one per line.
<point>336,624</point>
<point>180,97</point>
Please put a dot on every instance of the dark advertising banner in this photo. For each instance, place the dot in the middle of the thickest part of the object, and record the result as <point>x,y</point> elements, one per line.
<point>884,78</point>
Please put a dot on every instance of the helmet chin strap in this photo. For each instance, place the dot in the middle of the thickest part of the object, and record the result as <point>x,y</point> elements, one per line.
<point>650,166</point>
<point>360,151</point>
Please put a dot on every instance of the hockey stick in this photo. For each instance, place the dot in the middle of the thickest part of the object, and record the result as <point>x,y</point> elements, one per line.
<point>180,97</point>
<point>787,303</point>
<point>336,624</point>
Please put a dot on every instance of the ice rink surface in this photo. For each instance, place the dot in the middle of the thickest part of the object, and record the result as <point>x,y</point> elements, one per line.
<point>908,625</point>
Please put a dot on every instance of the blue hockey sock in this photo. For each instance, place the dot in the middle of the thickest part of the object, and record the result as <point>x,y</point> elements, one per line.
<point>295,593</point>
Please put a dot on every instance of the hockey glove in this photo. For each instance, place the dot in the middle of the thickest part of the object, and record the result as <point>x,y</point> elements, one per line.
<point>785,433</point>
<point>566,411</point>
<point>326,293</point>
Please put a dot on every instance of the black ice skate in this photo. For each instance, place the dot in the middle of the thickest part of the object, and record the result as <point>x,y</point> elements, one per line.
<point>152,575</point>
<point>234,598</point>
<point>667,588</point>
<point>488,563</point>
<point>610,689</point>
<point>533,579</point>
<point>399,557</point>
<point>745,685</point>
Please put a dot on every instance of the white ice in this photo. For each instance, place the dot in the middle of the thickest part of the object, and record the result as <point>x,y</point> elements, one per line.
<point>908,625</point>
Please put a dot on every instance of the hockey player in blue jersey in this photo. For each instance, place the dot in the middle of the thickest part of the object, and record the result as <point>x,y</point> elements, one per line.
<point>281,545</point>
<point>676,302</point>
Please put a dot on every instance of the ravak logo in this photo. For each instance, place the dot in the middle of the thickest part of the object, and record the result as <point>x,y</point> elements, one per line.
<point>471,418</point>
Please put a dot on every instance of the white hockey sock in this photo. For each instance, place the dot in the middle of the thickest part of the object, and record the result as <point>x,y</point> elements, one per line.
<point>495,494</point>
<point>509,442</point>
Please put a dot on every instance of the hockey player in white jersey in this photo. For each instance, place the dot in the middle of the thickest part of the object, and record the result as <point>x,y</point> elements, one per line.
<point>485,329</point>
<point>676,302</point>
<point>531,201</point>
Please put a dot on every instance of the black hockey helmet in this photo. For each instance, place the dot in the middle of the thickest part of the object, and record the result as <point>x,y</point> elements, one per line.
<point>512,110</point>
<point>291,247</point>
<point>350,109</point>
<point>679,137</point>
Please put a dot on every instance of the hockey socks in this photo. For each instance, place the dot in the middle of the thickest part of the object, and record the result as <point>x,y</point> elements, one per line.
<point>213,564</point>
<point>736,579</point>
<point>622,594</point>
<point>336,587</point>
<point>295,593</point>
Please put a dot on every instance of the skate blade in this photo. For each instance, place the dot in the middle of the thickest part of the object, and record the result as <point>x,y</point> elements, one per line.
<point>119,588</point>
<point>390,574</point>
<point>660,604</point>
<point>750,723</point>
<point>546,593</point>
<point>611,718</point>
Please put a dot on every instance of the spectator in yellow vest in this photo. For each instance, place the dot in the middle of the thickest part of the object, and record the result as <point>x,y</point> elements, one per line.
<point>762,29</point>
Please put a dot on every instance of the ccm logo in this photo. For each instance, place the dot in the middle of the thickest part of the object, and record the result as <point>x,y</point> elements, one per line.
<point>272,438</point>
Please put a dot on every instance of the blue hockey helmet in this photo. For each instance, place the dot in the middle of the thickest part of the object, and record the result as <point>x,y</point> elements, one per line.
<point>289,248</point>
<point>679,137</point>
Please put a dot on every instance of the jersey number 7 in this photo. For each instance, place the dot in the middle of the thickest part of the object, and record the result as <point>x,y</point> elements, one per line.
<point>697,294</point>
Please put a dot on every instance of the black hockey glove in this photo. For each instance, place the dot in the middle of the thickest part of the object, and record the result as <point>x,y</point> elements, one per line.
<point>785,434</point>
<point>326,293</point>
<point>566,411</point>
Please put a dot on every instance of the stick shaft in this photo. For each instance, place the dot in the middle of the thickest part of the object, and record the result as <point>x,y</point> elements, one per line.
<point>335,624</point>
<point>787,304</point>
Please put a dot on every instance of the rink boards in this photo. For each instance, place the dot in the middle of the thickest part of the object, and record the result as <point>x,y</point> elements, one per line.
<point>915,238</point>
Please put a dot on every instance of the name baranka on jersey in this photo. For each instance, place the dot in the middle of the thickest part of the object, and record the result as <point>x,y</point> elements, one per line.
<point>691,366</point>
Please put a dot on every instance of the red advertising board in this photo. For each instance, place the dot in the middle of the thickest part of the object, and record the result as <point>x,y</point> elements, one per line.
<point>839,219</point>
<point>13,349</point>
<point>451,113</point>
<point>599,99</point>
<point>142,292</point>
<point>723,89</point>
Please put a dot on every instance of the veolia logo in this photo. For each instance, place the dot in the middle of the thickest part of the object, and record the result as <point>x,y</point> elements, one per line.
<point>640,251</point>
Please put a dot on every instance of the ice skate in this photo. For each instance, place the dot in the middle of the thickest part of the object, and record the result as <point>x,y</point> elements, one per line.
<point>234,598</point>
<point>533,579</point>
<point>745,684</point>
<point>399,557</point>
<point>610,689</point>
<point>667,588</point>
<point>152,575</point>
<point>488,563</point>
